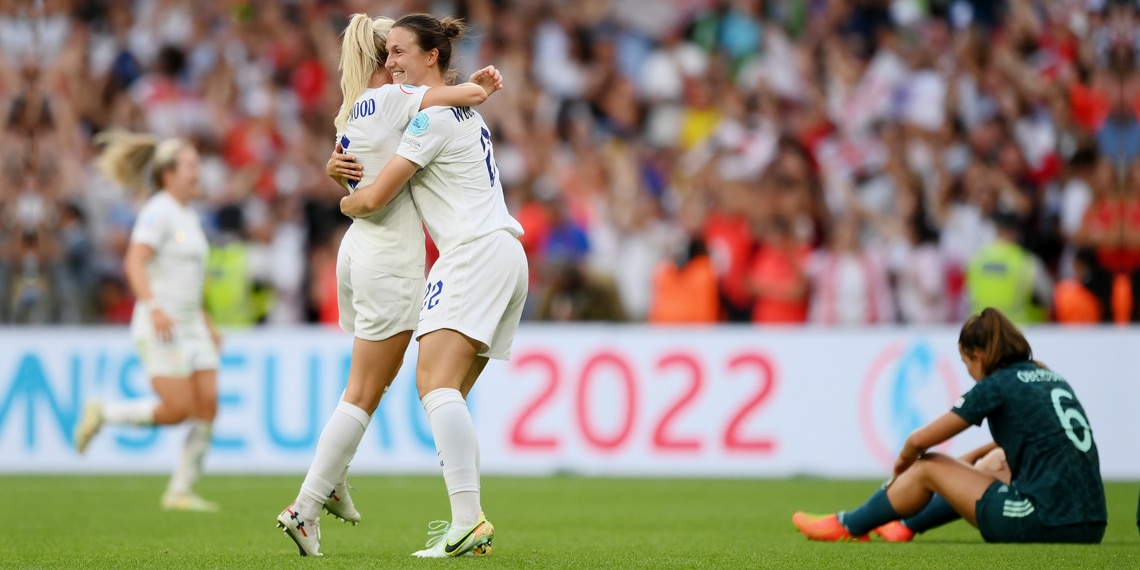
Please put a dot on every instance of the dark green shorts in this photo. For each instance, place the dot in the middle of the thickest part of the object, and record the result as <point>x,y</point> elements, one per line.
<point>1005,515</point>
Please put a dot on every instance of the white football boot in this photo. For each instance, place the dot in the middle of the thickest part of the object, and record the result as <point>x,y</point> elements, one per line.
<point>188,502</point>
<point>88,426</point>
<point>306,533</point>
<point>339,504</point>
<point>447,541</point>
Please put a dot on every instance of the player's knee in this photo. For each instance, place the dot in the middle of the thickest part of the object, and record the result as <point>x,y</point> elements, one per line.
<point>365,389</point>
<point>365,401</point>
<point>993,461</point>
<point>173,412</point>
<point>427,383</point>
<point>424,386</point>
<point>928,462</point>
<point>206,411</point>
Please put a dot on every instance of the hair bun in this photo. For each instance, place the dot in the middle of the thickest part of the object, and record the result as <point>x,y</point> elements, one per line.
<point>453,28</point>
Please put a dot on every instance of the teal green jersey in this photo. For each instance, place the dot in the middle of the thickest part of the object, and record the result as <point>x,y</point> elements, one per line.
<point>1036,418</point>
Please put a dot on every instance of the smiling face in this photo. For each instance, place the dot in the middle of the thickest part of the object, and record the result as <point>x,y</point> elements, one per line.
<point>408,63</point>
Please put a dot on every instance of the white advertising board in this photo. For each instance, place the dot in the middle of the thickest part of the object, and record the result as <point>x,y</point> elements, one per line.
<point>599,400</point>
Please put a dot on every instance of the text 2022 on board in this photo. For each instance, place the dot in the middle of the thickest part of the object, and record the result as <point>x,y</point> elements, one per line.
<point>689,366</point>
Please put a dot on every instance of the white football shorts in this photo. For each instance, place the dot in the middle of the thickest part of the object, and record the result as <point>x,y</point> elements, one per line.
<point>374,304</point>
<point>478,289</point>
<point>190,349</point>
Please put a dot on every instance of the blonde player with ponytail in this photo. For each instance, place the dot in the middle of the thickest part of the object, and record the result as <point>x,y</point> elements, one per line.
<point>166,268</point>
<point>478,286</point>
<point>380,267</point>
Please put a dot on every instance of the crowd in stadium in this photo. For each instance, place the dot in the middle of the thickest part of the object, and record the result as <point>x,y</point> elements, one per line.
<point>812,161</point>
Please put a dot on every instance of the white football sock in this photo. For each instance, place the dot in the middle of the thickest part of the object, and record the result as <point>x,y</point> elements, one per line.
<point>130,413</point>
<point>335,449</point>
<point>190,463</point>
<point>458,449</point>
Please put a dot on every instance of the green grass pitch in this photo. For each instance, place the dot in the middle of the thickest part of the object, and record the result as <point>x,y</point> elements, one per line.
<point>557,522</point>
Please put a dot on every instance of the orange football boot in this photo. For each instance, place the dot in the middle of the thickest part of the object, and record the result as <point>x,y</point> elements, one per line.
<point>825,527</point>
<point>895,531</point>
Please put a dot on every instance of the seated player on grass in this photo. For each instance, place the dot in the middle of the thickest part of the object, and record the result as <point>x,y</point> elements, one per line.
<point>988,458</point>
<point>1055,493</point>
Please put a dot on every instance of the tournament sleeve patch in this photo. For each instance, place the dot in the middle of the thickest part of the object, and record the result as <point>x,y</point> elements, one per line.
<point>419,124</point>
<point>410,142</point>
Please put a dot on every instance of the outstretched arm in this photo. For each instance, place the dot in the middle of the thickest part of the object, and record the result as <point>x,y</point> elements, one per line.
<point>372,198</point>
<point>342,166</point>
<point>941,429</point>
<point>480,86</point>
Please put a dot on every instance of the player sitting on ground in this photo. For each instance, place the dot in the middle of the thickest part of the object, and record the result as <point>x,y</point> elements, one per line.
<point>1055,493</point>
<point>988,458</point>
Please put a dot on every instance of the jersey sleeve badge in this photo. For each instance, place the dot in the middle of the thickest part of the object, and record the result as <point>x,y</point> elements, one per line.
<point>419,124</point>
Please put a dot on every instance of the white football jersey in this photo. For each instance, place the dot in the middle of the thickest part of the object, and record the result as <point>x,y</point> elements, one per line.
<point>177,270</point>
<point>457,188</point>
<point>392,239</point>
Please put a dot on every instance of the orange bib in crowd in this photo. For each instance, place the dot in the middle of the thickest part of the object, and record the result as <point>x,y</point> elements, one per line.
<point>685,295</point>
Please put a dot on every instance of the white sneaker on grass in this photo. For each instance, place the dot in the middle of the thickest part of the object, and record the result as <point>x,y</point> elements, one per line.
<point>339,504</point>
<point>88,426</point>
<point>448,541</point>
<point>306,533</point>
<point>188,502</point>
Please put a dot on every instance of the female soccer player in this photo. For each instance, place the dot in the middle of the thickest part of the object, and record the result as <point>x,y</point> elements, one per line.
<point>477,287</point>
<point>380,267</point>
<point>166,268</point>
<point>1055,494</point>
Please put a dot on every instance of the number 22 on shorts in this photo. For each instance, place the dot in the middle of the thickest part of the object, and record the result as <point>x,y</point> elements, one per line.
<point>431,295</point>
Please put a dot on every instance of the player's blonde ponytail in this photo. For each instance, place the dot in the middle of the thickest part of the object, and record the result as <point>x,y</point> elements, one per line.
<point>126,157</point>
<point>362,52</point>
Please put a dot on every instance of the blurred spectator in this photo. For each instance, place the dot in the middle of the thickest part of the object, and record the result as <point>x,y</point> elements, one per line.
<point>78,272</point>
<point>565,238</point>
<point>577,294</point>
<point>1084,171</point>
<point>778,276</point>
<point>728,234</point>
<point>685,291</point>
<point>1111,227</point>
<point>848,282</point>
<point>34,283</point>
<point>231,299</point>
<point>915,261</point>
<point>115,305</point>
<point>322,278</point>
<point>619,118</point>
<point>1072,300</point>
<point>1006,276</point>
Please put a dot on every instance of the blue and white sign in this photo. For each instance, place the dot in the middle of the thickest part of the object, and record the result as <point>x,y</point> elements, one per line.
<point>591,399</point>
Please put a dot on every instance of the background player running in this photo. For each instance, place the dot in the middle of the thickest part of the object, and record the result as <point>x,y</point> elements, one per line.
<point>166,267</point>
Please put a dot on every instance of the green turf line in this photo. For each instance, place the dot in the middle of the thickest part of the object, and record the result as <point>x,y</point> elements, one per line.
<point>557,522</point>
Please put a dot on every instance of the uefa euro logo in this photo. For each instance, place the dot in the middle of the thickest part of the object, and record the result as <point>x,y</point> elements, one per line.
<point>905,387</point>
